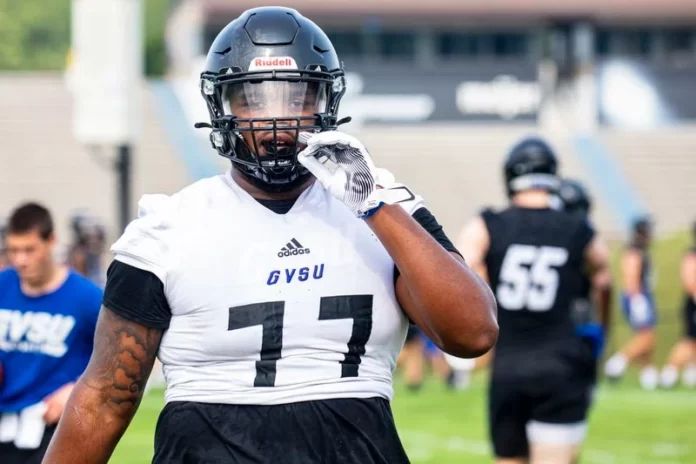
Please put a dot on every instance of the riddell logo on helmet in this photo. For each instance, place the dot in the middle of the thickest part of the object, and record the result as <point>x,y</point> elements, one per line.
<point>272,62</point>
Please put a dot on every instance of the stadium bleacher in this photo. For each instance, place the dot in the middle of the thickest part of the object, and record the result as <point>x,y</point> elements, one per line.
<point>462,160</point>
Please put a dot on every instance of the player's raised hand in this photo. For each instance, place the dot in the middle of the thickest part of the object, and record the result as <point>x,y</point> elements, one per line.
<point>342,164</point>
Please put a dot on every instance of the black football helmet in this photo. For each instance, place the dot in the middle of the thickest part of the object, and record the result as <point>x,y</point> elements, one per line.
<point>641,228</point>
<point>531,164</point>
<point>574,197</point>
<point>269,75</point>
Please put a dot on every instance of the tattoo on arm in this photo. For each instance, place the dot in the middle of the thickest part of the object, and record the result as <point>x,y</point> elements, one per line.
<point>107,395</point>
<point>124,353</point>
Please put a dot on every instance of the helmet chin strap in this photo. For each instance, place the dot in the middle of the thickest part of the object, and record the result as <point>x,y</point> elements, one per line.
<point>266,178</point>
<point>268,184</point>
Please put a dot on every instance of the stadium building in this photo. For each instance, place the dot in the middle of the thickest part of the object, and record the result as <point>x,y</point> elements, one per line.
<point>446,83</point>
<point>477,75</point>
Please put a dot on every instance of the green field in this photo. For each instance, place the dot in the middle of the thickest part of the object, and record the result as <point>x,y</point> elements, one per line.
<point>438,426</point>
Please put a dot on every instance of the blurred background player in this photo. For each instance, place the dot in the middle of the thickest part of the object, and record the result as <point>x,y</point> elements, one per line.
<point>411,360</point>
<point>47,319</point>
<point>638,305</point>
<point>3,250</point>
<point>86,252</point>
<point>574,197</point>
<point>591,312</point>
<point>419,353</point>
<point>683,354</point>
<point>536,259</point>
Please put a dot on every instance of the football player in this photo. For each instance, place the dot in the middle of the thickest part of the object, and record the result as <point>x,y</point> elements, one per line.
<point>536,259</point>
<point>87,248</point>
<point>574,197</point>
<point>683,354</point>
<point>638,305</point>
<point>418,349</point>
<point>591,319</point>
<point>276,295</point>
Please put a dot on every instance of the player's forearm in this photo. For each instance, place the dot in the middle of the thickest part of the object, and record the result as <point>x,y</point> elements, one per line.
<point>93,421</point>
<point>601,293</point>
<point>446,298</point>
<point>602,297</point>
<point>107,395</point>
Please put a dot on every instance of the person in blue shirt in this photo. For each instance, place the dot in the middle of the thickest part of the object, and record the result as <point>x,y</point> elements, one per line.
<point>48,314</point>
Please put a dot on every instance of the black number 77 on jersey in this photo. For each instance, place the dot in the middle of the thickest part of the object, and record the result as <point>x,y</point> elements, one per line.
<point>270,316</point>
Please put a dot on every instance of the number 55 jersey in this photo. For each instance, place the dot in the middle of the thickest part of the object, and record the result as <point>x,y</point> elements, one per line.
<point>267,308</point>
<point>536,268</point>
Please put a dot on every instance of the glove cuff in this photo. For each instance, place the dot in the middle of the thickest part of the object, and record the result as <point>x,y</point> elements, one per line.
<point>395,194</point>
<point>370,212</point>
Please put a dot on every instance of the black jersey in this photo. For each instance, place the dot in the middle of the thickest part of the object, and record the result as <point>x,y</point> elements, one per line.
<point>536,268</point>
<point>690,309</point>
<point>690,316</point>
<point>646,279</point>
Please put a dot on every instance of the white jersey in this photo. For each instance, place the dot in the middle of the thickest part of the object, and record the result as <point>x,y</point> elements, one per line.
<point>267,308</point>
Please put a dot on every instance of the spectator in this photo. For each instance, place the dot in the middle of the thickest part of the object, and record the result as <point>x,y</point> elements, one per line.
<point>3,251</point>
<point>47,326</point>
<point>87,250</point>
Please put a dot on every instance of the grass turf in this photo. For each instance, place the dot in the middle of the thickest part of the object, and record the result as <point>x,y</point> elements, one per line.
<point>438,426</point>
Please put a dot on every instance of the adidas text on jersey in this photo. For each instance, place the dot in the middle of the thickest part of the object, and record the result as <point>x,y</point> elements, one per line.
<point>292,248</point>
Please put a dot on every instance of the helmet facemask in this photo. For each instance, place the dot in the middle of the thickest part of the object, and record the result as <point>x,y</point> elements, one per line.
<point>261,114</point>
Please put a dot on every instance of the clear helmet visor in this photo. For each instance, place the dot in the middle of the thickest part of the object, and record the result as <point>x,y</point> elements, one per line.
<point>274,100</point>
<point>269,116</point>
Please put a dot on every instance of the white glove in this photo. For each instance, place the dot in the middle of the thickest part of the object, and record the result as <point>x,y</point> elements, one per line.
<point>391,192</point>
<point>344,167</point>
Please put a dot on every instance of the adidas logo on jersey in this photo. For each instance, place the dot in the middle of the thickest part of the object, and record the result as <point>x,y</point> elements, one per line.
<point>293,247</point>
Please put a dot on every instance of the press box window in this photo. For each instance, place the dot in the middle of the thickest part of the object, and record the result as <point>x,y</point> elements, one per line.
<point>348,44</point>
<point>397,45</point>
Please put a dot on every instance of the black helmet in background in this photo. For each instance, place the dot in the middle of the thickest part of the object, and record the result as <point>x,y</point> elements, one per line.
<point>641,231</point>
<point>531,164</point>
<point>269,75</point>
<point>574,197</point>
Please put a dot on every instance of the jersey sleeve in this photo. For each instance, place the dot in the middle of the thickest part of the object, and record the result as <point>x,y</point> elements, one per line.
<point>147,241</point>
<point>426,219</point>
<point>136,295</point>
<point>488,215</point>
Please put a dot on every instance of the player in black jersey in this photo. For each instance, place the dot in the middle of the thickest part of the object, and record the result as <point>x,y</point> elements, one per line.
<point>683,354</point>
<point>574,197</point>
<point>638,306</point>
<point>591,320</point>
<point>536,259</point>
